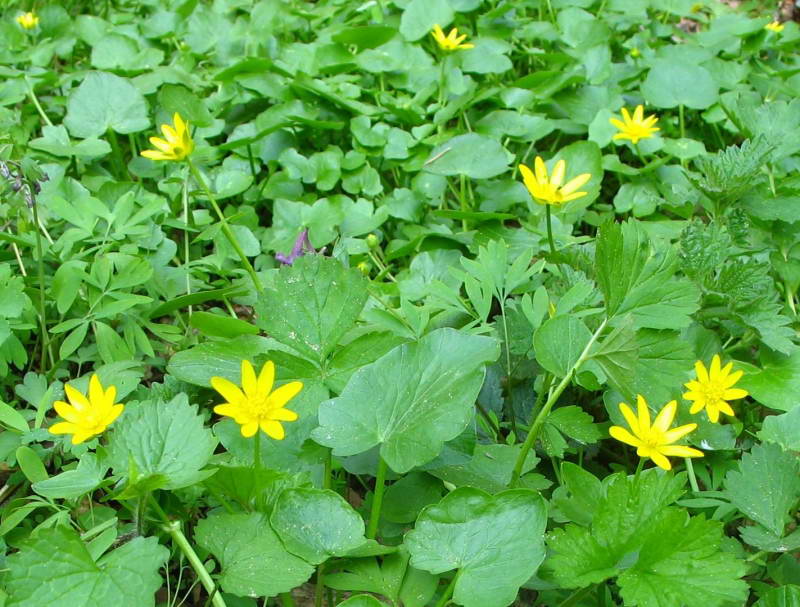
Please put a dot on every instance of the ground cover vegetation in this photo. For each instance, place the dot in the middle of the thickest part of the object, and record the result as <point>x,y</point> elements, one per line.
<point>399,302</point>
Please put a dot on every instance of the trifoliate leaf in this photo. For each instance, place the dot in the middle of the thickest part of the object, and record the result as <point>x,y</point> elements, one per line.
<point>637,279</point>
<point>316,524</point>
<point>766,485</point>
<point>482,536</point>
<point>54,567</point>
<point>410,401</point>
<point>254,562</point>
<point>662,557</point>
<point>165,445</point>
<point>314,302</point>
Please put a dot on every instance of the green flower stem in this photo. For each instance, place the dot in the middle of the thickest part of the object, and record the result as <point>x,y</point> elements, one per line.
<point>173,528</point>
<point>287,599</point>
<point>377,499</point>
<point>116,154</point>
<point>639,467</point>
<point>509,402</point>
<point>448,592</point>
<point>257,450</point>
<point>682,121</point>
<point>185,201</point>
<point>319,586</point>
<point>554,395</point>
<point>46,347</point>
<point>36,103</point>
<point>226,229</point>
<point>550,230</point>
<point>690,471</point>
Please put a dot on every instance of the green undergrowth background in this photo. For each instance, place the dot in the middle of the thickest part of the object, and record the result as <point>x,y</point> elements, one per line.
<point>434,321</point>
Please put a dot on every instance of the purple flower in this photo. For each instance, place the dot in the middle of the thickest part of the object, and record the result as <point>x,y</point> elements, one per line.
<point>301,245</point>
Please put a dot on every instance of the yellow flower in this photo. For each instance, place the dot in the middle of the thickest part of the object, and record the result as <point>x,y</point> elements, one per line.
<point>635,128</point>
<point>257,406</point>
<point>451,42</point>
<point>546,190</point>
<point>30,20</point>
<point>177,145</point>
<point>654,441</point>
<point>713,388</point>
<point>775,26</point>
<point>87,417</point>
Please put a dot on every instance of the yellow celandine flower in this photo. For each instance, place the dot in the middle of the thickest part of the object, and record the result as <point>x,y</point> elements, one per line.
<point>775,26</point>
<point>87,417</point>
<point>28,20</point>
<point>654,441</point>
<point>450,42</point>
<point>256,405</point>
<point>713,388</point>
<point>177,145</point>
<point>548,190</point>
<point>635,128</point>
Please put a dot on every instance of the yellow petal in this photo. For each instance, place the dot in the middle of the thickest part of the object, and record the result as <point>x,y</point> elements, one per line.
<point>467,46</point>
<point>713,372</point>
<point>700,369</point>
<point>626,117</point>
<point>573,196</point>
<point>697,406</point>
<point>249,381</point>
<point>249,429</point>
<point>180,125</point>
<point>540,170</point>
<point>227,409</point>
<point>80,437</point>
<point>630,417</point>
<point>677,433</point>
<point>96,392</point>
<point>273,429</point>
<point>558,173</point>
<point>623,436</point>
<point>285,393</point>
<point>665,416</point>
<point>725,408</point>
<point>283,415</point>
<point>154,155</point>
<point>162,145</point>
<point>228,389</point>
<point>266,378</point>
<point>712,410</point>
<point>574,184</point>
<point>68,412</point>
<point>78,400</point>
<point>732,379</point>
<point>617,123</point>
<point>644,415</point>
<point>734,393</point>
<point>63,428</point>
<point>638,113</point>
<point>116,410</point>
<point>681,451</point>
<point>660,461</point>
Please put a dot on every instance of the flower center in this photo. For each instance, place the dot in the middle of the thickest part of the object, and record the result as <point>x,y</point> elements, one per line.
<point>713,393</point>
<point>261,407</point>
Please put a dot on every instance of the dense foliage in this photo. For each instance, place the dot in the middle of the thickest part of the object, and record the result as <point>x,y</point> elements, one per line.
<point>329,303</point>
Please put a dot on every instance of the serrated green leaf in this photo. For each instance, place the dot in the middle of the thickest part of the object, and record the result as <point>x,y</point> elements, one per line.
<point>766,485</point>
<point>662,557</point>
<point>167,441</point>
<point>637,279</point>
<point>315,301</point>
<point>316,524</point>
<point>617,356</point>
<point>482,537</point>
<point>254,562</point>
<point>410,401</point>
<point>54,567</point>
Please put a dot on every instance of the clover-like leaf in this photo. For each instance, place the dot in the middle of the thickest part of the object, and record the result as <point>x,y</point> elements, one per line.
<point>483,537</point>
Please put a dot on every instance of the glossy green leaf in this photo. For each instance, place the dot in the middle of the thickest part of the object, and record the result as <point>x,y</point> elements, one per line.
<point>104,101</point>
<point>73,483</point>
<point>316,524</point>
<point>558,343</point>
<point>254,562</point>
<point>472,155</point>
<point>482,537</point>
<point>783,596</point>
<point>197,365</point>
<point>783,430</point>
<point>670,84</point>
<point>410,401</point>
